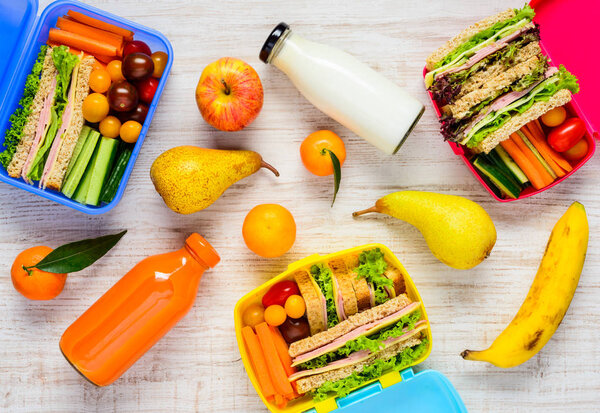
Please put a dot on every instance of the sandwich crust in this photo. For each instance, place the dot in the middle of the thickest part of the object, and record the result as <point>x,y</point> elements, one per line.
<point>314,304</point>
<point>345,289</point>
<point>49,72</point>
<point>396,275</point>
<point>309,383</point>
<point>465,35</point>
<point>360,286</point>
<point>376,313</point>
<point>515,123</point>
<point>57,173</point>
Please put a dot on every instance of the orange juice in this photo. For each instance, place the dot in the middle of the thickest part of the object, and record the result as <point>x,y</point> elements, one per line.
<point>136,312</point>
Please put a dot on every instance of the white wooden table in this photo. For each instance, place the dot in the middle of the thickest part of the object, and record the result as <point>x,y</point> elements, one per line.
<point>197,366</point>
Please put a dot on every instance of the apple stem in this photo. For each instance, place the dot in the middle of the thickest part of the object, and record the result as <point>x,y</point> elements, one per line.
<point>227,90</point>
<point>270,167</point>
<point>365,211</point>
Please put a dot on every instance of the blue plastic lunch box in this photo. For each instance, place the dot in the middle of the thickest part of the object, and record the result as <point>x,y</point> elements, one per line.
<point>22,36</point>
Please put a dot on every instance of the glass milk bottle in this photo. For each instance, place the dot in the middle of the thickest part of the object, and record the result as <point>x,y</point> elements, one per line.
<point>344,88</point>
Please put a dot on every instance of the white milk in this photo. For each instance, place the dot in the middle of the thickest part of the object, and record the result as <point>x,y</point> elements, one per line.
<point>347,90</point>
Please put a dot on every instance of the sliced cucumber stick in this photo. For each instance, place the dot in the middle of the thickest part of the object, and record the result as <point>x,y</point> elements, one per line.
<point>511,164</point>
<point>85,131</point>
<point>112,184</point>
<point>106,152</point>
<point>82,190</point>
<point>81,164</point>
<point>538,155</point>
<point>498,178</point>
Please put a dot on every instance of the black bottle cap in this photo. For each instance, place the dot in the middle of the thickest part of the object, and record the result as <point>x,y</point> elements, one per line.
<point>267,48</point>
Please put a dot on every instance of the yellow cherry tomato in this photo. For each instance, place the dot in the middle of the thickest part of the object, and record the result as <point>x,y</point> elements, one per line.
<point>130,131</point>
<point>100,80</point>
<point>295,306</point>
<point>554,117</point>
<point>253,315</point>
<point>160,61</point>
<point>275,315</point>
<point>114,68</point>
<point>110,127</point>
<point>95,107</point>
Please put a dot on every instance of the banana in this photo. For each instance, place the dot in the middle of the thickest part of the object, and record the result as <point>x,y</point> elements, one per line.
<point>548,298</point>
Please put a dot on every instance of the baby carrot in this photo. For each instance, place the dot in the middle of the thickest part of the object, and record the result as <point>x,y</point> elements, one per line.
<point>547,178</point>
<point>258,362</point>
<point>92,46</point>
<point>276,370</point>
<point>538,134</point>
<point>100,24</point>
<point>557,169</point>
<point>282,350</point>
<point>91,32</point>
<point>532,173</point>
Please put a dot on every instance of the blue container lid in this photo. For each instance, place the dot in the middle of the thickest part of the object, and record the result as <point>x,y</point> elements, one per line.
<point>16,20</point>
<point>425,392</point>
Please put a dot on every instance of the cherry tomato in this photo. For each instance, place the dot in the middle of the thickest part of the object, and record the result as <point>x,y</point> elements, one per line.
<point>136,46</point>
<point>160,60</point>
<point>122,96</point>
<point>253,315</point>
<point>565,136</point>
<point>279,293</point>
<point>294,329</point>
<point>95,107</point>
<point>554,117</point>
<point>130,131</point>
<point>578,151</point>
<point>110,127</point>
<point>114,68</point>
<point>138,114</point>
<point>100,80</point>
<point>295,306</point>
<point>147,89</point>
<point>275,315</point>
<point>137,66</point>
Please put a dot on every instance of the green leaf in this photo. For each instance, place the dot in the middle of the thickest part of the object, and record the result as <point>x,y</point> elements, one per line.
<point>78,255</point>
<point>337,173</point>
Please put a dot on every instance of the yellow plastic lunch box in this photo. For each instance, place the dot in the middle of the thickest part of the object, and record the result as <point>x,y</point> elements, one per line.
<point>427,387</point>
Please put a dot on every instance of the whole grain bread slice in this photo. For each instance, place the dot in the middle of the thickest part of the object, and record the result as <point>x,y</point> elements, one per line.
<point>360,285</point>
<point>313,301</point>
<point>344,282</point>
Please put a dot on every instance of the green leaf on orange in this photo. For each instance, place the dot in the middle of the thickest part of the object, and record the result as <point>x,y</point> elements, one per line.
<point>337,173</point>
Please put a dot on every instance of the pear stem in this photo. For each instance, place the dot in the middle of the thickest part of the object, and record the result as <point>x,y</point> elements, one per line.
<point>468,354</point>
<point>270,167</point>
<point>365,211</point>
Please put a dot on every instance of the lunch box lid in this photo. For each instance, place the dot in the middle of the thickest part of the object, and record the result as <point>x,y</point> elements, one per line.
<point>428,391</point>
<point>16,20</point>
<point>569,34</point>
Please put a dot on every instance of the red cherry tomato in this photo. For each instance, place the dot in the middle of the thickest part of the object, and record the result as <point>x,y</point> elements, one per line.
<point>147,89</point>
<point>279,293</point>
<point>565,136</point>
<point>136,46</point>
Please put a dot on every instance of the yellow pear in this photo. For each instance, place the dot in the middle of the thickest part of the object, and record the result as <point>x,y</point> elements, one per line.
<point>458,231</point>
<point>190,179</point>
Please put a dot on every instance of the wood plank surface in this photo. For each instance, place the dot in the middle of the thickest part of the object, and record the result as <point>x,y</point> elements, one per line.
<point>197,366</point>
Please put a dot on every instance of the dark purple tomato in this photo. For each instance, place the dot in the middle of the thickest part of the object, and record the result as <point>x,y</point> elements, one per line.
<point>294,329</point>
<point>138,114</point>
<point>122,96</point>
<point>137,66</point>
<point>136,46</point>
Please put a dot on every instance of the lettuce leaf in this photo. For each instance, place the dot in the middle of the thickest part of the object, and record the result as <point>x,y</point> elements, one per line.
<point>37,167</point>
<point>64,62</point>
<point>322,275</point>
<point>541,93</point>
<point>526,13</point>
<point>373,343</point>
<point>13,135</point>
<point>371,267</point>
<point>375,370</point>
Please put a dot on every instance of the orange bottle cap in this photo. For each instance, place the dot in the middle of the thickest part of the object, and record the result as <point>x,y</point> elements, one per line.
<point>203,249</point>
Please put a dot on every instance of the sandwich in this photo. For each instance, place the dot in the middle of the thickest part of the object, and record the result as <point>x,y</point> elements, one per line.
<point>492,78</point>
<point>363,347</point>
<point>338,289</point>
<point>52,128</point>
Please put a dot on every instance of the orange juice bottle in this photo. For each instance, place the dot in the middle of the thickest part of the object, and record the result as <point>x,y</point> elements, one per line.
<point>136,312</point>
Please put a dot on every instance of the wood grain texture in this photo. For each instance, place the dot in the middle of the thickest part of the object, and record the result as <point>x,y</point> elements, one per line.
<point>197,367</point>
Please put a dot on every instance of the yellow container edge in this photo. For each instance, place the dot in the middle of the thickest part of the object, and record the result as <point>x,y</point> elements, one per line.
<point>254,296</point>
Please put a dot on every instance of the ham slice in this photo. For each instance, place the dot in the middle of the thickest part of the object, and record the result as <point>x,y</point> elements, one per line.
<point>357,332</point>
<point>339,300</point>
<point>41,128</point>
<point>361,355</point>
<point>486,51</point>
<point>66,120</point>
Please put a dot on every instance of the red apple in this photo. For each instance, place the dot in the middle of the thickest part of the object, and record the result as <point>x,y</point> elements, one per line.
<point>229,94</point>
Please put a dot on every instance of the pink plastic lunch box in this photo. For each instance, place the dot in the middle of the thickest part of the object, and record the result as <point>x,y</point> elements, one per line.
<point>568,37</point>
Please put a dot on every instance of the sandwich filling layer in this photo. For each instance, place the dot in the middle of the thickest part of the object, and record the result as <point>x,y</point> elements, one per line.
<point>372,266</point>
<point>323,278</point>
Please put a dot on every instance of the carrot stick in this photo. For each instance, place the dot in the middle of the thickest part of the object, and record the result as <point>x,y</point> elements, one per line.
<point>538,135</point>
<point>105,59</point>
<point>280,380</point>
<point>92,46</point>
<point>280,401</point>
<point>536,122</point>
<point>91,32</point>
<point>282,350</point>
<point>557,169</point>
<point>258,362</point>
<point>547,178</point>
<point>100,24</point>
<point>521,160</point>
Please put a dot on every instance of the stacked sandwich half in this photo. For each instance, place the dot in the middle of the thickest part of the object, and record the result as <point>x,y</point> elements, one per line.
<point>52,129</point>
<point>492,79</point>
<point>362,324</point>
